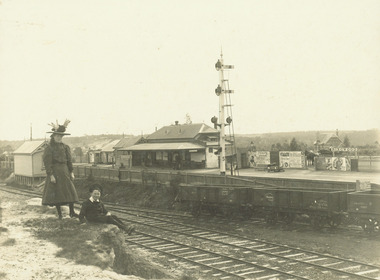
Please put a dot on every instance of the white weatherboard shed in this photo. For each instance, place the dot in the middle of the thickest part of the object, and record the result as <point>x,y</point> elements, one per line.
<point>29,168</point>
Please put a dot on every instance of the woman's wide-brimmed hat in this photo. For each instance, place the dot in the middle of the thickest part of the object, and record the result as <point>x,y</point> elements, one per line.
<point>59,129</point>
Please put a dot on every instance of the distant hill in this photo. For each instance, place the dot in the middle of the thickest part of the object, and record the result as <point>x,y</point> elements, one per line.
<point>261,141</point>
<point>265,140</point>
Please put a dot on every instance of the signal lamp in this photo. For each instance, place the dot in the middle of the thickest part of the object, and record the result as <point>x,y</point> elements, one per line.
<point>218,90</point>
<point>218,65</point>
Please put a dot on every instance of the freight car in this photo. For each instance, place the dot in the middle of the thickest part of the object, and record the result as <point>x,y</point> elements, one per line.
<point>364,209</point>
<point>225,200</point>
<point>321,206</point>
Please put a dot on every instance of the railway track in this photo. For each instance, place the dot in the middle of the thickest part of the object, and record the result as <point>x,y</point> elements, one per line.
<point>220,255</point>
<point>213,264</point>
<point>278,257</point>
<point>295,226</point>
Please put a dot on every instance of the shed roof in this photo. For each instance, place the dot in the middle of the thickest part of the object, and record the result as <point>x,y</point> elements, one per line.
<point>181,131</point>
<point>163,147</point>
<point>127,142</point>
<point>30,147</point>
<point>109,147</point>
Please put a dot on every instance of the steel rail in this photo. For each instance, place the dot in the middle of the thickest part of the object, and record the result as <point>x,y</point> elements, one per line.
<point>215,254</point>
<point>260,251</point>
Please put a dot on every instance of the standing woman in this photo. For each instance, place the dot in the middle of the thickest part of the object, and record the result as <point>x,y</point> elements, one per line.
<point>59,187</point>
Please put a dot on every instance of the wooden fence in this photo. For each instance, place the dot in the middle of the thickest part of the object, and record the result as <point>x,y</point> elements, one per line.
<point>158,177</point>
<point>150,177</point>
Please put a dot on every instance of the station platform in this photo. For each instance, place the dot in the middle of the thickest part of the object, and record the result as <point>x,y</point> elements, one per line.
<point>308,174</point>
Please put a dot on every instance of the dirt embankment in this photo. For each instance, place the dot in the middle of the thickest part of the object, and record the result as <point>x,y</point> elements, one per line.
<point>36,245</point>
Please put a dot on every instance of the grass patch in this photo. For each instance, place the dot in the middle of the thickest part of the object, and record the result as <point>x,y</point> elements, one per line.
<point>161,197</point>
<point>77,242</point>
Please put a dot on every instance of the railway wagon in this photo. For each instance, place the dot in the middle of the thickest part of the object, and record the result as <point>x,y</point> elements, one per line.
<point>322,206</point>
<point>364,209</point>
<point>215,200</point>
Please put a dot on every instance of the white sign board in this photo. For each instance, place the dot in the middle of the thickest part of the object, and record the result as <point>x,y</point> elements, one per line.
<point>293,159</point>
<point>258,158</point>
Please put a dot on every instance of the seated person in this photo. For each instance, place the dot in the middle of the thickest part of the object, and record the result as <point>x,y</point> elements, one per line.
<point>93,210</point>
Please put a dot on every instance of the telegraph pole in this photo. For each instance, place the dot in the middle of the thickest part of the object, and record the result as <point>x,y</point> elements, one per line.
<point>220,91</point>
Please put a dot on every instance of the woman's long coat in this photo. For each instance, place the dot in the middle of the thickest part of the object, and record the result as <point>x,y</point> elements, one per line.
<point>57,161</point>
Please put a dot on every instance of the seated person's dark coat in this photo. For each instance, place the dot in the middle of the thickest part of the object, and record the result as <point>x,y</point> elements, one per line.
<point>93,211</point>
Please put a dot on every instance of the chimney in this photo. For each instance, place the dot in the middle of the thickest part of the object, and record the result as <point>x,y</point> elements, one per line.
<point>176,122</point>
<point>337,133</point>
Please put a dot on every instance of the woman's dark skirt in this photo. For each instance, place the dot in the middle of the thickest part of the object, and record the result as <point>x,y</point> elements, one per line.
<point>63,191</point>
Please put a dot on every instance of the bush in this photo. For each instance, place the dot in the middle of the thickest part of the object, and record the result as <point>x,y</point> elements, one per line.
<point>5,173</point>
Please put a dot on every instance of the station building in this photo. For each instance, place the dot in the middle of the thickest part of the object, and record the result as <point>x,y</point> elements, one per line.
<point>185,146</point>
<point>331,140</point>
<point>334,156</point>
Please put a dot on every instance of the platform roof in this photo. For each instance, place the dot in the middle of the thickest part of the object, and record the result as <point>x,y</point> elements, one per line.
<point>181,131</point>
<point>163,147</point>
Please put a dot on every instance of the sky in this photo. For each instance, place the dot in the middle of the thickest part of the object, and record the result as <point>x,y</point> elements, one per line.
<point>117,66</point>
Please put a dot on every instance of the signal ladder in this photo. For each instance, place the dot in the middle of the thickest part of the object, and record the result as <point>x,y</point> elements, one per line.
<point>225,108</point>
<point>230,135</point>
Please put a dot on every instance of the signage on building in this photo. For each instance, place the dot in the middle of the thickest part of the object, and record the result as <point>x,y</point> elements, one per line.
<point>294,159</point>
<point>343,149</point>
<point>258,158</point>
<point>338,163</point>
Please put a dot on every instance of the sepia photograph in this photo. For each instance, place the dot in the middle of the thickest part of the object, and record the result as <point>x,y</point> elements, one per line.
<point>189,140</point>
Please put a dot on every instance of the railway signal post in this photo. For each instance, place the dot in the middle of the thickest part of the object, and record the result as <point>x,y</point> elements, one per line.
<point>221,91</point>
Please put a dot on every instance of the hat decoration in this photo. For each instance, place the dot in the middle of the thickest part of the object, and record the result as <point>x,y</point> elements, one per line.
<point>59,129</point>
